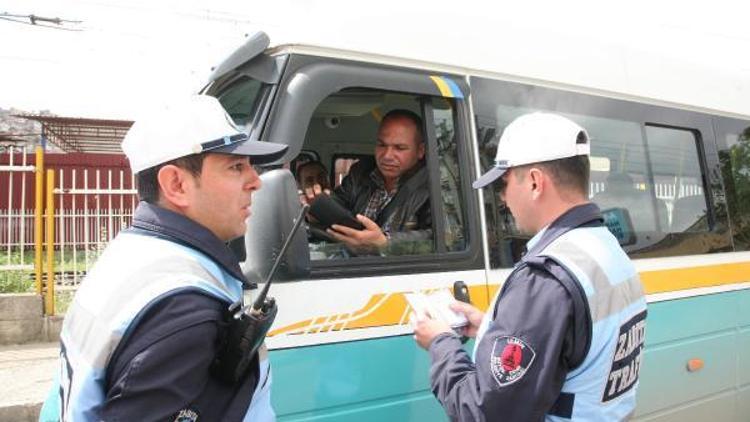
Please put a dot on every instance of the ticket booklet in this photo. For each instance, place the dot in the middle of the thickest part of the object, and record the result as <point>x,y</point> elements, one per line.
<point>437,305</point>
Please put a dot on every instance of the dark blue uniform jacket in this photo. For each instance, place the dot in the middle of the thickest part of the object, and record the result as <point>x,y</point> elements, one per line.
<point>542,315</point>
<point>162,366</point>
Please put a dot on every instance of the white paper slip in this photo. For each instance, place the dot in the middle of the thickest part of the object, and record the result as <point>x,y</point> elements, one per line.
<point>437,304</point>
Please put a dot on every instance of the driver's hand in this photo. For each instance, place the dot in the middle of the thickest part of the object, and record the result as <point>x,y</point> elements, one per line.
<point>369,239</point>
<point>308,194</point>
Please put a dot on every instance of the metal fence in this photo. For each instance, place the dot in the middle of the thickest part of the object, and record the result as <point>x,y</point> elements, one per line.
<point>17,217</point>
<point>82,231</point>
<point>93,201</point>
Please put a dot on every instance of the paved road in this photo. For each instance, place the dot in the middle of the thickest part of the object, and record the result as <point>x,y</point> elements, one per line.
<point>26,373</point>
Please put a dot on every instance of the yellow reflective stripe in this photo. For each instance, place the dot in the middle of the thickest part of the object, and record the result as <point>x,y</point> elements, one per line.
<point>443,87</point>
<point>383,310</point>
<point>661,281</point>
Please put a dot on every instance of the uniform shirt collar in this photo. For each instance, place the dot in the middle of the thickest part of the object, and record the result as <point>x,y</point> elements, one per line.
<point>156,221</point>
<point>533,241</point>
<point>584,215</point>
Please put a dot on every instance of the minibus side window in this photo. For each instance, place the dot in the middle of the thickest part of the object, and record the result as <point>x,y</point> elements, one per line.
<point>678,178</point>
<point>646,179</point>
<point>735,166</point>
<point>621,181</point>
<point>649,179</point>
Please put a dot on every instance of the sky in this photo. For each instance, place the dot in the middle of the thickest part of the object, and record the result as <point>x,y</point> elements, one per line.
<point>127,54</point>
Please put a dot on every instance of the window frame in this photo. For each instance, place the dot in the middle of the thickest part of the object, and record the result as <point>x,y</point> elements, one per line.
<point>699,147</point>
<point>308,80</point>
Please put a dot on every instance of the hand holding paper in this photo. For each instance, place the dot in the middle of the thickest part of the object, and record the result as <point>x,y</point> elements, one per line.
<point>437,305</point>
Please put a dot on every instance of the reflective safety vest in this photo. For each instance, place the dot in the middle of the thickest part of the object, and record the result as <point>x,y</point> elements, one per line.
<point>603,386</point>
<point>133,273</point>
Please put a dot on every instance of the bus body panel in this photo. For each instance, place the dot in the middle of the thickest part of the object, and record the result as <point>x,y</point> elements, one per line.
<point>368,380</point>
<point>341,348</point>
<point>703,327</point>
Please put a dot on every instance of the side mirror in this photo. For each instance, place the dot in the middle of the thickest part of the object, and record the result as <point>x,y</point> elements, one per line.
<point>275,206</point>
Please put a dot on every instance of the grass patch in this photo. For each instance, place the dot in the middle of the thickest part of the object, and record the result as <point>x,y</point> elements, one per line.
<point>67,262</point>
<point>16,281</point>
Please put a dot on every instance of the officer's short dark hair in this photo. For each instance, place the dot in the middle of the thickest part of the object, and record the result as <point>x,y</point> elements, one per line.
<point>570,173</point>
<point>147,182</point>
<point>409,115</point>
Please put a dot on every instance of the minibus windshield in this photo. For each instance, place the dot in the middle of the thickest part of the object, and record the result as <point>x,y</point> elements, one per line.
<point>242,99</point>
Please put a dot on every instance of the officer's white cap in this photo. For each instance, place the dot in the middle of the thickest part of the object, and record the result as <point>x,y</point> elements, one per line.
<point>535,138</point>
<point>191,125</point>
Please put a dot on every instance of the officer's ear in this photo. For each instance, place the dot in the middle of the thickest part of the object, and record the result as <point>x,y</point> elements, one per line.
<point>175,185</point>
<point>536,181</point>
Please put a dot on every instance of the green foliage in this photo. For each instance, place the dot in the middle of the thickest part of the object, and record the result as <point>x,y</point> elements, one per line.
<point>736,165</point>
<point>22,280</point>
<point>16,281</point>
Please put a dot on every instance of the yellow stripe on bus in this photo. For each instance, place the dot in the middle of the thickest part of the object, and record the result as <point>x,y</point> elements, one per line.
<point>661,281</point>
<point>389,309</point>
<point>443,87</point>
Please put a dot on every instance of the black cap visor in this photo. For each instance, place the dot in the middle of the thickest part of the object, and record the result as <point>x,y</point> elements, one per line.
<point>489,177</point>
<point>259,152</point>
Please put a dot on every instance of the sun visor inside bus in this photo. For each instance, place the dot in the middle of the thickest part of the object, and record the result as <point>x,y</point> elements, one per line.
<point>618,222</point>
<point>249,59</point>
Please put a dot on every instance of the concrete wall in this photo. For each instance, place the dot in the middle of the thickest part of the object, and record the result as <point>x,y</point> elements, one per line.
<point>22,320</point>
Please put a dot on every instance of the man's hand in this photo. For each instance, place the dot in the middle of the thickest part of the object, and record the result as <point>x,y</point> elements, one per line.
<point>427,328</point>
<point>472,314</point>
<point>369,239</point>
<point>309,193</point>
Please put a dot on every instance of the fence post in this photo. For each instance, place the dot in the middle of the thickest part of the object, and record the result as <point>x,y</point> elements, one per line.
<point>49,300</point>
<point>38,217</point>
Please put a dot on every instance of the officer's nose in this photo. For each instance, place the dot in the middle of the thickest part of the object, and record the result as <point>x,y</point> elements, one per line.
<point>253,181</point>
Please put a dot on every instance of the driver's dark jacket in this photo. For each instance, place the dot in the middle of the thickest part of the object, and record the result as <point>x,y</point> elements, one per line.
<point>408,214</point>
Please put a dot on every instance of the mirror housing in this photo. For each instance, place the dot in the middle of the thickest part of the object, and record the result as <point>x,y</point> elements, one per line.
<point>274,208</point>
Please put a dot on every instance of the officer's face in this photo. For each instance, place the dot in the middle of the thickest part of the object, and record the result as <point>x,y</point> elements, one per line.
<point>515,193</point>
<point>220,197</point>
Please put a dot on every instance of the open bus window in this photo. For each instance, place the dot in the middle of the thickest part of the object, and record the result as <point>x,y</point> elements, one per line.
<point>343,132</point>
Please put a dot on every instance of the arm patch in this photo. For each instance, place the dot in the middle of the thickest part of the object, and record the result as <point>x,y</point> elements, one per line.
<point>510,359</point>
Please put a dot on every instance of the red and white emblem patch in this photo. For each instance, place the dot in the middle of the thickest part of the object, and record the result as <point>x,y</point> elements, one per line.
<point>511,358</point>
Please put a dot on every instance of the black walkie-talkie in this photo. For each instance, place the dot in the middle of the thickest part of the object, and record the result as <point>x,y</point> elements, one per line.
<point>461,292</point>
<point>248,325</point>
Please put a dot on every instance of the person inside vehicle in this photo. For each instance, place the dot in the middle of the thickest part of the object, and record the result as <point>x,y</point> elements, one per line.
<point>313,174</point>
<point>390,196</point>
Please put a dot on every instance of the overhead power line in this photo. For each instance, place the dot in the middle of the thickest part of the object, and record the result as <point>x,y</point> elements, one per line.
<point>41,21</point>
